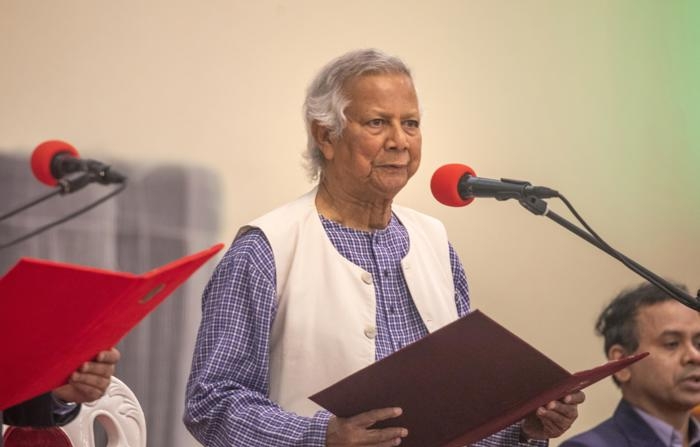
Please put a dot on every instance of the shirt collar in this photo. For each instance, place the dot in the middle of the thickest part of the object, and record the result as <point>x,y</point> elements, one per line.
<point>669,435</point>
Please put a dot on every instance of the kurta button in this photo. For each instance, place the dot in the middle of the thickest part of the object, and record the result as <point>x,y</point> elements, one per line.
<point>367,278</point>
<point>370,332</point>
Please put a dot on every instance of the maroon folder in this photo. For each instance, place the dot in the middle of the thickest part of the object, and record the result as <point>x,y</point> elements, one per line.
<point>459,384</point>
<point>55,316</point>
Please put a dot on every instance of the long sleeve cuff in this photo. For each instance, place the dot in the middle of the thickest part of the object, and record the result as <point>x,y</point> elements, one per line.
<point>41,411</point>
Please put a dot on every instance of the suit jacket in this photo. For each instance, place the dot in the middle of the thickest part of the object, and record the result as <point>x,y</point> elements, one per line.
<point>41,411</point>
<point>34,411</point>
<point>624,429</point>
<point>37,412</point>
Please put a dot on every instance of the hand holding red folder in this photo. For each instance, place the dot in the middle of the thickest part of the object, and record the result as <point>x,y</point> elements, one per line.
<point>55,316</point>
<point>91,380</point>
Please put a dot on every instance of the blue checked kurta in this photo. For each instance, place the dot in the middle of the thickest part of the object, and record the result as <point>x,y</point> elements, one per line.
<point>227,403</point>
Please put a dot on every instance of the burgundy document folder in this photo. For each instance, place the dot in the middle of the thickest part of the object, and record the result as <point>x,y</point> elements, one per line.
<point>55,316</point>
<point>459,384</point>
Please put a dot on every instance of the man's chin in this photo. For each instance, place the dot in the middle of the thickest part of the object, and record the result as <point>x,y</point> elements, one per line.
<point>688,401</point>
<point>390,186</point>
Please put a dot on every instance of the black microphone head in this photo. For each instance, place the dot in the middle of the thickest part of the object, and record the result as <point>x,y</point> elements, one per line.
<point>445,181</point>
<point>43,158</point>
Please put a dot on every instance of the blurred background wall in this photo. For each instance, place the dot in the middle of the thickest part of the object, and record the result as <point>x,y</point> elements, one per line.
<point>598,99</point>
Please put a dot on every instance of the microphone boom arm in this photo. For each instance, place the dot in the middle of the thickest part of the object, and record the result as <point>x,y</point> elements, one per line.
<point>63,219</point>
<point>539,207</point>
<point>36,201</point>
<point>64,186</point>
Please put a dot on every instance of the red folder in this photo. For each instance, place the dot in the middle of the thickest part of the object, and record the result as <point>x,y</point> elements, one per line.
<point>459,384</point>
<point>55,316</point>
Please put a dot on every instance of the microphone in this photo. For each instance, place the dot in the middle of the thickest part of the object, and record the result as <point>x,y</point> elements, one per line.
<point>457,185</point>
<point>54,159</point>
<point>56,163</point>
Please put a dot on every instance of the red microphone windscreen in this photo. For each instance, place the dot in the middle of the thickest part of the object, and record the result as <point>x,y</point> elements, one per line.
<point>444,183</point>
<point>43,156</point>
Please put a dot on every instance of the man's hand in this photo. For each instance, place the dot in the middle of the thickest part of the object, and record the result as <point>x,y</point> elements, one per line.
<point>553,419</point>
<point>355,431</point>
<point>91,380</point>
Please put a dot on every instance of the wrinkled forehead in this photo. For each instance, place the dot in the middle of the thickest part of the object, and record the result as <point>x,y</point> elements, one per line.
<point>375,86</point>
<point>377,74</point>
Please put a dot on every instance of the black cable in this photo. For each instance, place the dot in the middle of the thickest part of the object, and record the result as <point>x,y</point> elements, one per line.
<point>583,222</point>
<point>58,190</point>
<point>65,218</point>
<point>659,282</point>
<point>614,253</point>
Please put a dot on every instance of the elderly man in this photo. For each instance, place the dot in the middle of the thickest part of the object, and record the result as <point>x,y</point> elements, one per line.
<point>334,280</point>
<point>660,391</point>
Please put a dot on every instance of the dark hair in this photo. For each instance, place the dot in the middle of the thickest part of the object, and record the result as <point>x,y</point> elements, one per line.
<point>617,324</point>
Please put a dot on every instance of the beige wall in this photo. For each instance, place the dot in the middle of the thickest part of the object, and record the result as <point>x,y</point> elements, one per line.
<point>572,95</point>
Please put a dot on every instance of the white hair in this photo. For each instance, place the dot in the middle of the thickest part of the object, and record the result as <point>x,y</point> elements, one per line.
<point>326,102</point>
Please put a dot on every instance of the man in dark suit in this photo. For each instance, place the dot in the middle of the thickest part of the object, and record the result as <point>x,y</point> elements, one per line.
<point>660,391</point>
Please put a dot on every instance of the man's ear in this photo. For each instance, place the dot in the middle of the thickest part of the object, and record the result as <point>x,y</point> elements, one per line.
<point>617,352</point>
<point>322,136</point>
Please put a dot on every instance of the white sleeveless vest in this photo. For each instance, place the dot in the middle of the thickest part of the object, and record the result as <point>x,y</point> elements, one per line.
<point>325,324</point>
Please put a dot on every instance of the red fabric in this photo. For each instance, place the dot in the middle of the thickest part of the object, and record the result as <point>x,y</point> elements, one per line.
<point>36,437</point>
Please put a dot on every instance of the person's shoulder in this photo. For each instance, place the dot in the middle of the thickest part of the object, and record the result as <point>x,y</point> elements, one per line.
<point>250,246</point>
<point>587,439</point>
<point>285,219</point>
<point>251,239</point>
<point>604,434</point>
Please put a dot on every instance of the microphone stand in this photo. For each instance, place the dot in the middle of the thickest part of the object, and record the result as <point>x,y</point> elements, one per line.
<point>539,207</point>
<point>65,186</point>
<point>36,201</point>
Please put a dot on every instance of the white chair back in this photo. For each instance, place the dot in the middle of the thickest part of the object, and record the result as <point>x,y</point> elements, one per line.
<point>118,411</point>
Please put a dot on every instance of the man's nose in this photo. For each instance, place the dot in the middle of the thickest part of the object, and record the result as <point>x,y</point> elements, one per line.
<point>398,139</point>
<point>692,353</point>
